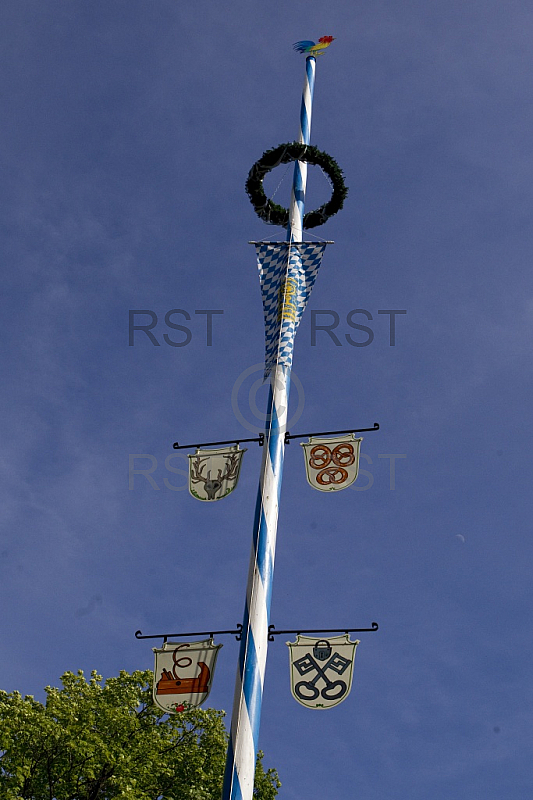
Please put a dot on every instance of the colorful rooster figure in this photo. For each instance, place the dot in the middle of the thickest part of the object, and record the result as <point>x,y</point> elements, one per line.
<point>314,48</point>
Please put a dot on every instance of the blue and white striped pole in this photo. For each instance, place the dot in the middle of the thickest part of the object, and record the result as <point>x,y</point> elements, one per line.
<point>243,745</point>
<point>295,229</point>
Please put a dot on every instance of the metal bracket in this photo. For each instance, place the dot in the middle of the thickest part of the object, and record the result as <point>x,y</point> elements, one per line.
<point>288,437</point>
<point>238,632</point>
<point>178,446</point>
<point>261,438</point>
<point>211,634</point>
<point>272,632</point>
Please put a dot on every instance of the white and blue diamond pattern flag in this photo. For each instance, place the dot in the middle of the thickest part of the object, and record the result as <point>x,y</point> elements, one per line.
<point>287,271</point>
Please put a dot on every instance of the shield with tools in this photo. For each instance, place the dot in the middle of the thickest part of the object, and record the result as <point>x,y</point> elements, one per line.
<point>321,670</point>
<point>213,474</point>
<point>183,674</point>
<point>332,464</point>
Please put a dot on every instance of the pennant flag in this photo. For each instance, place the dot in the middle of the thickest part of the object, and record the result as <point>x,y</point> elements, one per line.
<point>332,464</point>
<point>213,474</point>
<point>321,670</point>
<point>287,271</point>
<point>183,674</point>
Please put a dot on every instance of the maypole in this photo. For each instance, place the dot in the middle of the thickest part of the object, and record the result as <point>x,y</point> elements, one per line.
<point>321,669</point>
<point>243,745</point>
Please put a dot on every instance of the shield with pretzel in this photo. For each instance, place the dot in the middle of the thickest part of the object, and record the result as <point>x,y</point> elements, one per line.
<point>332,464</point>
<point>321,670</point>
<point>183,674</point>
<point>213,474</point>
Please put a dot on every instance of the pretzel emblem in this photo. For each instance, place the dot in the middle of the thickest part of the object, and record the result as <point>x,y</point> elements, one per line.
<point>320,456</point>
<point>331,475</point>
<point>343,455</point>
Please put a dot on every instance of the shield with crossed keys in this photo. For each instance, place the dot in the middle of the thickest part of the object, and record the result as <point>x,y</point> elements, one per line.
<point>321,670</point>
<point>332,464</point>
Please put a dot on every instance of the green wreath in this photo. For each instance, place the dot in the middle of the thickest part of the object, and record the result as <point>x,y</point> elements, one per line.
<point>283,154</point>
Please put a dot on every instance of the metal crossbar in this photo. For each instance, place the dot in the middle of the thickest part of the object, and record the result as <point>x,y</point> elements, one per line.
<point>261,438</point>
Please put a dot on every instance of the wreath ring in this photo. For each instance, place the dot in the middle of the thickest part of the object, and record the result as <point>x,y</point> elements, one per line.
<point>274,214</point>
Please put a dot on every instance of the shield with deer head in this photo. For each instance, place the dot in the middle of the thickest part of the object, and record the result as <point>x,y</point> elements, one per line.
<point>183,674</point>
<point>332,464</point>
<point>213,474</point>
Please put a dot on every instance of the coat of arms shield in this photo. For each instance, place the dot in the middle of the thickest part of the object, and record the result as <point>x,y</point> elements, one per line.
<point>332,464</point>
<point>213,474</point>
<point>183,674</point>
<point>321,670</point>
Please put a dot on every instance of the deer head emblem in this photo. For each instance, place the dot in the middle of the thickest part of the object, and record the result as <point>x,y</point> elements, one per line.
<point>213,485</point>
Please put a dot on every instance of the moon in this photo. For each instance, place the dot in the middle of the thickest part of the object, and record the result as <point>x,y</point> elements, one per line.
<point>460,537</point>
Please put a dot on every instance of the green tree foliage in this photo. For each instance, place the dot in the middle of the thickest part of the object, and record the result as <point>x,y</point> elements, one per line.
<point>101,741</point>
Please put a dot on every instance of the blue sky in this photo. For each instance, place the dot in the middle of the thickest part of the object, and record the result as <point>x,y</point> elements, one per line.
<point>128,131</point>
